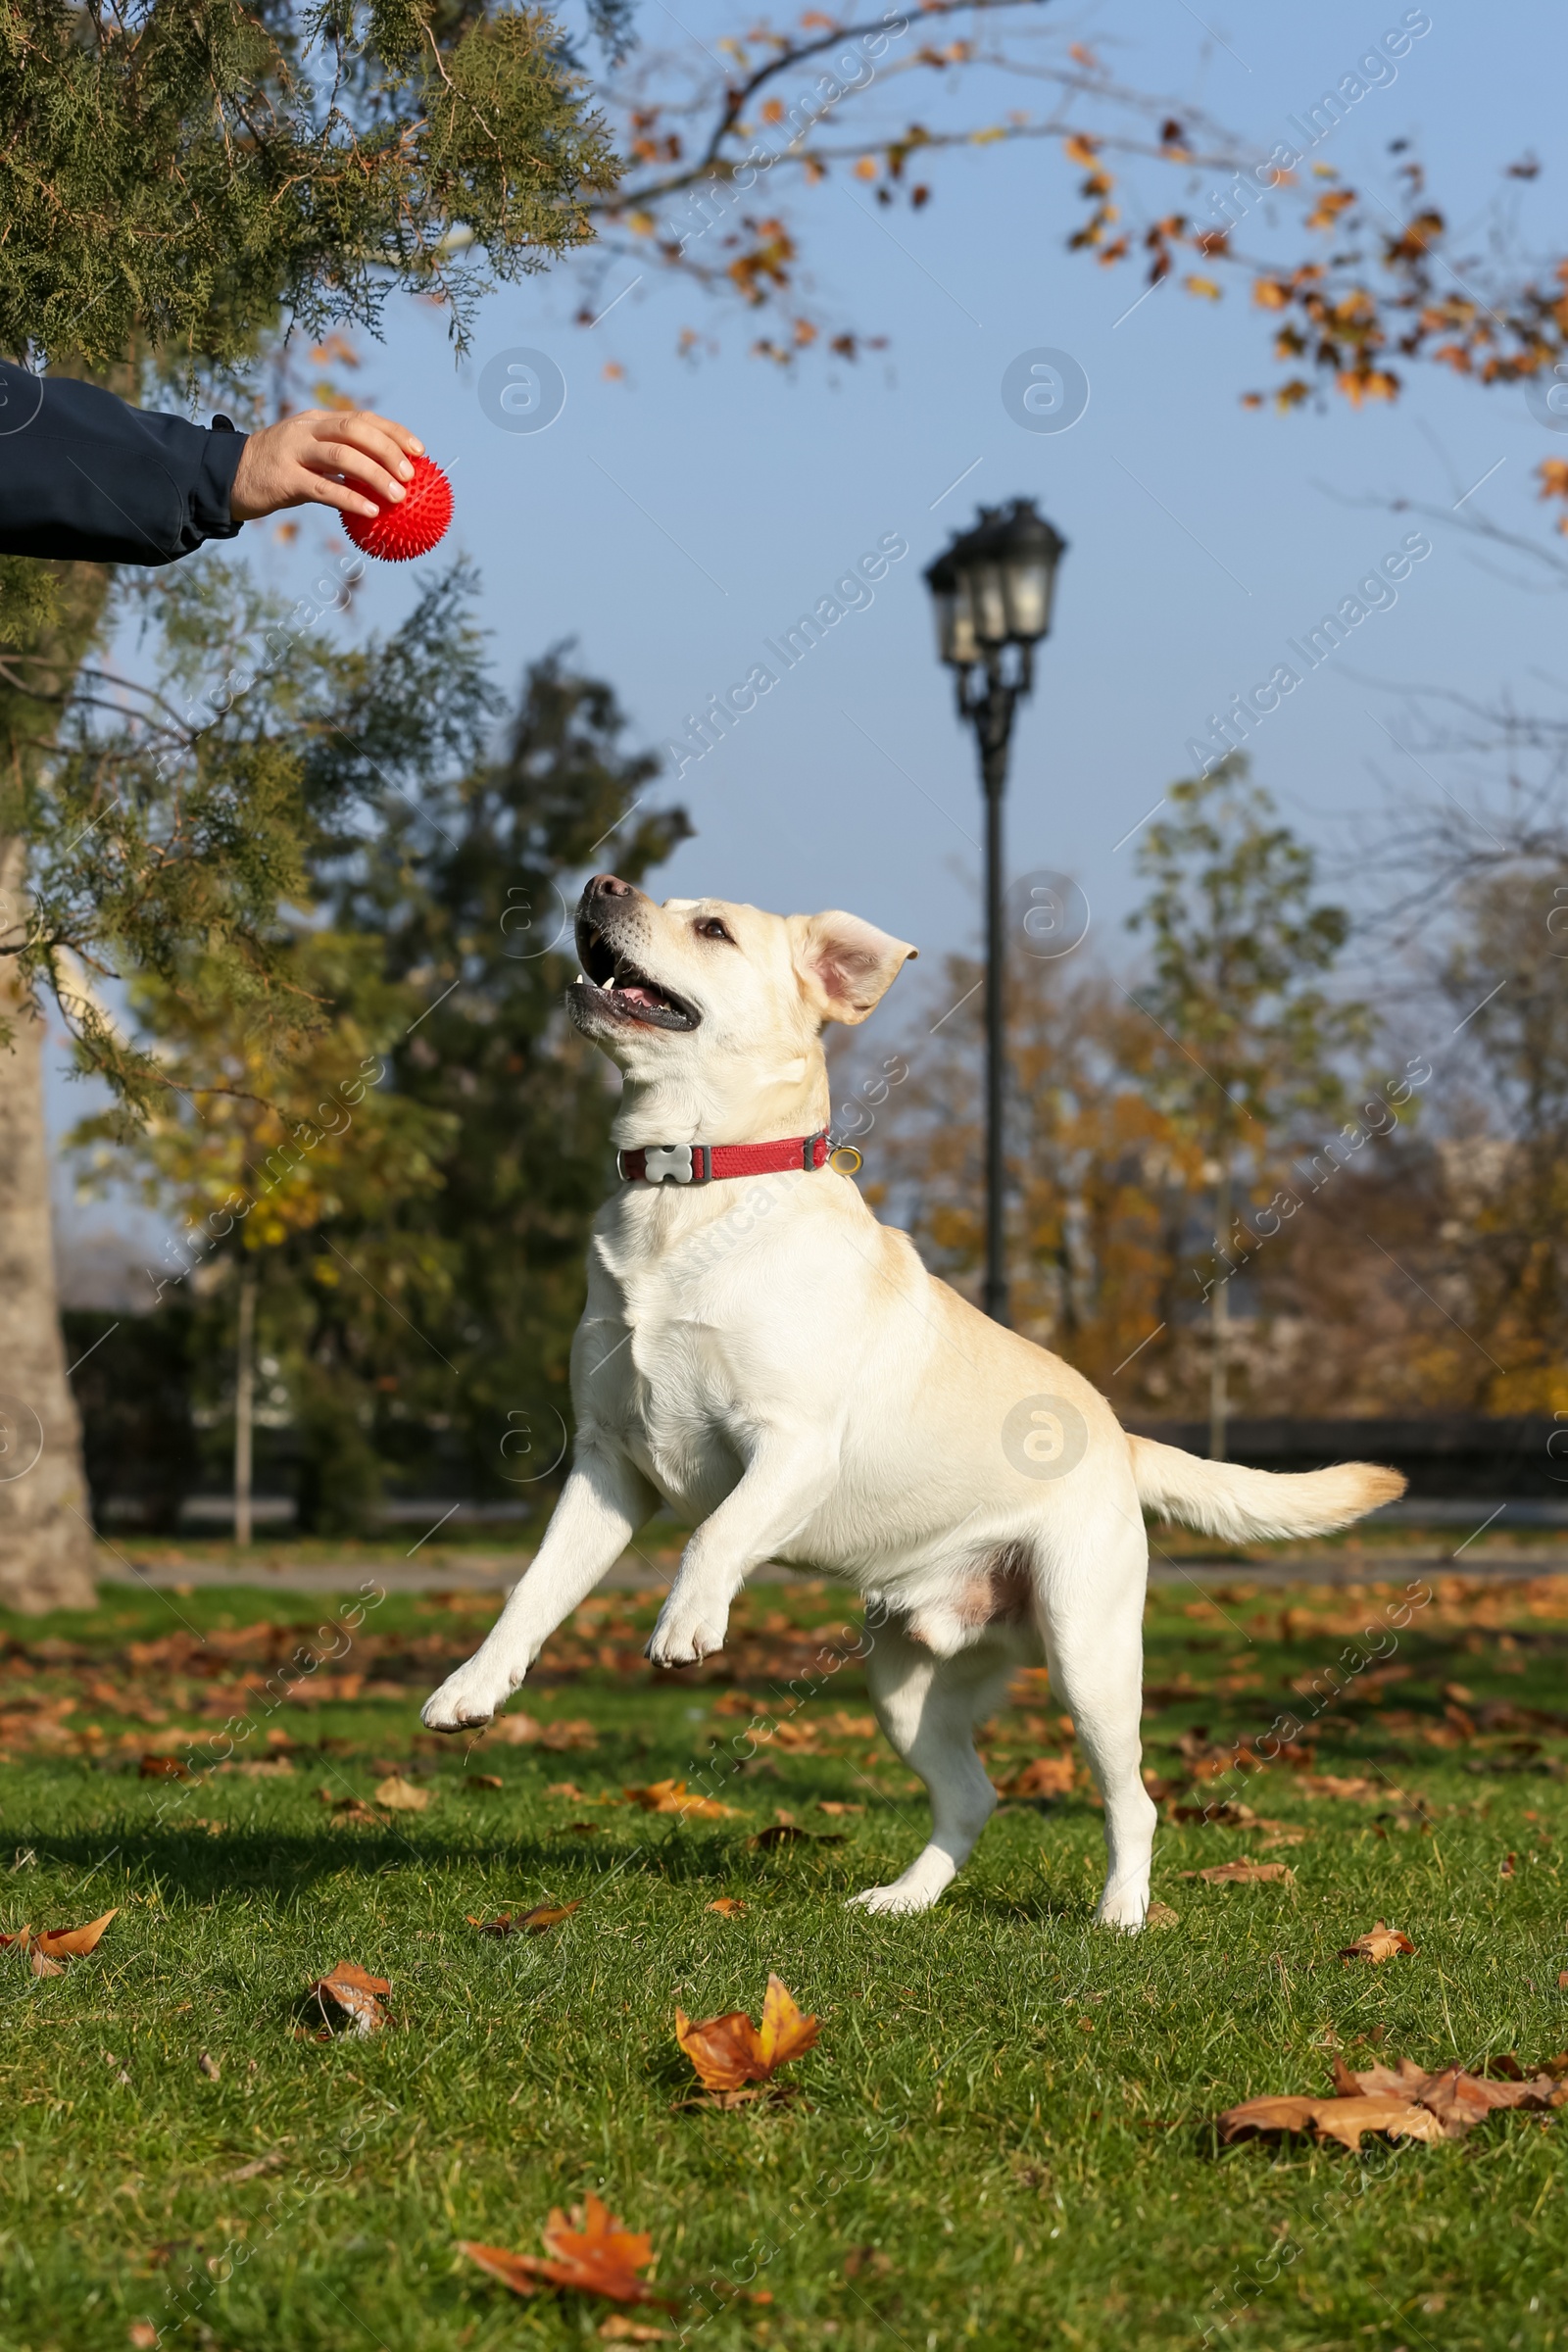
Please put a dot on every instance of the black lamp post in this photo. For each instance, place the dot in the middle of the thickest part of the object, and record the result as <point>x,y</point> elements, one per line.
<point>992,588</point>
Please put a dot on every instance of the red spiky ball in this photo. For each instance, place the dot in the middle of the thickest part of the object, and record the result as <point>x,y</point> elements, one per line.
<point>398,533</point>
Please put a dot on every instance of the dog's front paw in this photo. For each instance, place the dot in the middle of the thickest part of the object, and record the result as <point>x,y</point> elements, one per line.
<point>892,1901</point>
<point>685,1634</point>
<point>916,1890</point>
<point>467,1699</point>
<point>1124,1904</point>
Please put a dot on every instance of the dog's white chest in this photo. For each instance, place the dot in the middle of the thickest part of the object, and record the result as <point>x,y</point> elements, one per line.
<point>662,1375</point>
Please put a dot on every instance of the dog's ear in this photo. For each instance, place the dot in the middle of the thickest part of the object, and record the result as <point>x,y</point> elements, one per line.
<point>846,966</point>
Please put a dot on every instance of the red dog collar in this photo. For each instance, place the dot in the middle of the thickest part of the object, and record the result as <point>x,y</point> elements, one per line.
<point>706,1163</point>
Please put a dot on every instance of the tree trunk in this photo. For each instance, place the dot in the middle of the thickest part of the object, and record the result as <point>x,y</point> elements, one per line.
<point>46,1545</point>
<point>47,1542</point>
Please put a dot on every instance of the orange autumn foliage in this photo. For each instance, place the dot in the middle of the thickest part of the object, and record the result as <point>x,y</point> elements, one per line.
<point>729,2051</point>
<point>597,2255</point>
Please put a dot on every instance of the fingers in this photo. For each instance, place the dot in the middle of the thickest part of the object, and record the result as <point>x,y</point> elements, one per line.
<point>294,463</point>
<point>386,446</point>
<point>321,490</point>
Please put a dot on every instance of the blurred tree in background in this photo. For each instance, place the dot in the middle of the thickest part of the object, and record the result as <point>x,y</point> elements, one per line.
<point>180,188</point>
<point>1251,1043</point>
<point>406,1168</point>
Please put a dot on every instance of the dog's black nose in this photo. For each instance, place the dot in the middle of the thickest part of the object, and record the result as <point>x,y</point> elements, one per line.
<point>609,886</point>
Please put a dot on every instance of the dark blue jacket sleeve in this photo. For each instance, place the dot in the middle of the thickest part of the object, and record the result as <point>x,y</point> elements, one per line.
<point>81,473</point>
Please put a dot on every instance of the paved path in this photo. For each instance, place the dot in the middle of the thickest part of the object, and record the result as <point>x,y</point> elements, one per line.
<point>498,1572</point>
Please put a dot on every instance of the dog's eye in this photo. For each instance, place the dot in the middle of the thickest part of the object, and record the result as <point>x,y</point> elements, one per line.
<point>711,928</point>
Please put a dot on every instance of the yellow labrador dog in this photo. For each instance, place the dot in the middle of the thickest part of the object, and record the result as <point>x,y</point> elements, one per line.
<point>779,1368</point>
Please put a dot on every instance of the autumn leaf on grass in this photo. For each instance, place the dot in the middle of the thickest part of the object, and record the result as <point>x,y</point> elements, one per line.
<point>1242,1874</point>
<point>484,1780</point>
<point>1344,2119</point>
<point>1405,2102</point>
<point>597,2256</point>
<point>514,1731</point>
<point>1046,1776</point>
<point>349,1812</point>
<point>1380,1943</point>
<point>526,1923</point>
<point>579,1733</point>
<point>674,1796</point>
<point>729,2051</point>
<point>400,1796</point>
<point>165,1768</point>
<point>46,1950</point>
<point>790,1832</point>
<point>727,1907</point>
<point>349,2000</point>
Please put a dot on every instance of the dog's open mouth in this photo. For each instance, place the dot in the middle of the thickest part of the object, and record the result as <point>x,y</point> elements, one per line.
<point>611,983</point>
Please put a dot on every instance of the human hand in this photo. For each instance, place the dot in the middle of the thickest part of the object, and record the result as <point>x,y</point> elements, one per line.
<point>296,464</point>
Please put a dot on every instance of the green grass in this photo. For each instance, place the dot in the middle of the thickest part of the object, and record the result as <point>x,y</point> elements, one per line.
<point>1004,2137</point>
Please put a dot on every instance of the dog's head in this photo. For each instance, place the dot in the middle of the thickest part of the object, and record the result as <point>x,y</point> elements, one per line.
<point>702,991</point>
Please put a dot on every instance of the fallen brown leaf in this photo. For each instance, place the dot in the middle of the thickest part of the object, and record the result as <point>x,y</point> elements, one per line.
<point>484,1780</point>
<point>1344,2119</point>
<point>1161,1915</point>
<point>349,2000</point>
<point>674,1796</point>
<point>617,2329</point>
<point>727,1907</point>
<point>142,2334</point>
<point>349,1812</point>
<point>209,2068</point>
<point>729,2050</point>
<point>1046,1776</point>
<point>1380,1943</point>
<point>828,1804</point>
<point>1284,2113</point>
<point>165,1768</point>
<point>581,1733</point>
<point>526,1923</point>
<point>1404,2101</point>
<point>597,2256</point>
<point>790,1832</point>
<point>1242,1874</point>
<point>399,1795</point>
<point>53,1945</point>
<point>514,1731</point>
<point>1233,1815</point>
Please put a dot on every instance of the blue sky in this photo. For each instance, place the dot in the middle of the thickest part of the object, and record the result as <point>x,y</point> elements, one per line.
<point>675,517</point>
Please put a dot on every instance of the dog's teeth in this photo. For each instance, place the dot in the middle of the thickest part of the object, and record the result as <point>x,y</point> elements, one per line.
<point>610,983</point>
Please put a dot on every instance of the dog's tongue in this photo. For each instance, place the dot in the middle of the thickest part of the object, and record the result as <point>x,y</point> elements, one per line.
<point>638,992</point>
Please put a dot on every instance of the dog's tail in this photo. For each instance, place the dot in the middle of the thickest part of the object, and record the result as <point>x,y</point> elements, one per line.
<point>1222,1498</point>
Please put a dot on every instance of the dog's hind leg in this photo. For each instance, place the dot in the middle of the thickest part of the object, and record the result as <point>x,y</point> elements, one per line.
<point>928,1707</point>
<point>1093,1608</point>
